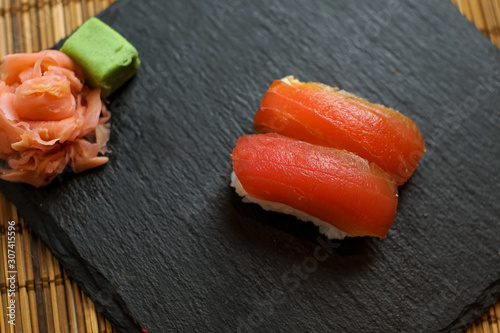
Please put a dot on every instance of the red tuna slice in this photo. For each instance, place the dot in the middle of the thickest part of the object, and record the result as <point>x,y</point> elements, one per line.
<point>335,186</point>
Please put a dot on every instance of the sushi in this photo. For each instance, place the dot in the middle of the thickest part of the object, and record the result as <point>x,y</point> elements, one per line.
<point>342,193</point>
<point>322,115</point>
<point>327,156</point>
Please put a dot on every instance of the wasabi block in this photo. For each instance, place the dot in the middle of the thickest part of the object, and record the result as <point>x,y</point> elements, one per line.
<point>107,58</point>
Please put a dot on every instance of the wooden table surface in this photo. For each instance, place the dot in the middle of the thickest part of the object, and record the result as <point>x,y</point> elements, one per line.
<point>48,300</point>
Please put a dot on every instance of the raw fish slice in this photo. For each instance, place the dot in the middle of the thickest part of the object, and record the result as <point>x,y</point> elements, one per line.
<point>319,114</point>
<point>325,228</point>
<point>332,185</point>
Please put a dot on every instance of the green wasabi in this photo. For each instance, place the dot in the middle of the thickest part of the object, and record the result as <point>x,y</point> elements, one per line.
<point>106,57</point>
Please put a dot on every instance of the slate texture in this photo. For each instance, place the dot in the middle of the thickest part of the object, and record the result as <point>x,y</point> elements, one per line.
<point>160,241</point>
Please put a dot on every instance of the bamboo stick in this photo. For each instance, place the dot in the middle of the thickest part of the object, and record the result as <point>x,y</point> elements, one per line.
<point>8,26</point>
<point>4,36</point>
<point>90,8</point>
<point>58,20</point>
<point>53,293</point>
<point>35,26</point>
<point>67,16</point>
<point>109,328</point>
<point>106,3</point>
<point>497,315</point>
<point>477,14</point>
<point>22,277</point>
<point>46,22</point>
<point>492,320</point>
<point>25,26</point>
<point>44,270</point>
<point>101,322</point>
<point>3,309</point>
<point>495,29</point>
<point>76,14</point>
<point>70,301</point>
<point>42,25</point>
<point>490,20</point>
<point>30,283</point>
<point>91,325</point>
<point>496,10</point>
<point>97,6</point>
<point>465,9</point>
<point>80,315</point>
<point>485,324</point>
<point>41,307</point>
<point>17,29</point>
<point>61,297</point>
<point>477,328</point>
<point>85,10</point>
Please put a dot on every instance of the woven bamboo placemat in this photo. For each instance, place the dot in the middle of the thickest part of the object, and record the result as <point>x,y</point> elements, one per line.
<point>47,300</point>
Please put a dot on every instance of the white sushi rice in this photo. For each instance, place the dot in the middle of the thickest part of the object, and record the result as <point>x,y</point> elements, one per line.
<point>325,228</point>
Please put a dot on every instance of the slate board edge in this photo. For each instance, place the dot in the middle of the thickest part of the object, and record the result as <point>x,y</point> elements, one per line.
<point>109,301</point>
<point>474,311</point>
<point>104,295</point>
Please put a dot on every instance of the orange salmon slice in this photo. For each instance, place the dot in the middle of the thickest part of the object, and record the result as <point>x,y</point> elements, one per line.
<point>322,115</point>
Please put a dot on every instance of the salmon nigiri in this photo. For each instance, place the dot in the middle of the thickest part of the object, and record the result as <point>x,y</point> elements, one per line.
<point>322,115</point>
<point>344,194</point>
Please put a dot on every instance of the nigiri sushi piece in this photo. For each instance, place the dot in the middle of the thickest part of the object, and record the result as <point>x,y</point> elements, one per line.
<point>342,193</point>
<point>322,115</point>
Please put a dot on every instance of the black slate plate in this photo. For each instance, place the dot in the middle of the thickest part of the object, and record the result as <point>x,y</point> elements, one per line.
<point>159,240</point>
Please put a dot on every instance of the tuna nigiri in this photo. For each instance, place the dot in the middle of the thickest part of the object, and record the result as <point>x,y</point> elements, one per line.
<point>344,194</point>
<point>322,115</point>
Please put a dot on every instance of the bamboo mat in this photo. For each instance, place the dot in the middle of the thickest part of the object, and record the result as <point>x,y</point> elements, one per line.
<point>47,300</point>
